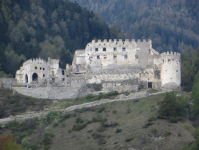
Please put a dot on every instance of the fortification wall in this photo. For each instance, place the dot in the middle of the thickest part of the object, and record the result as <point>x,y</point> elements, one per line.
<point>7,82</point>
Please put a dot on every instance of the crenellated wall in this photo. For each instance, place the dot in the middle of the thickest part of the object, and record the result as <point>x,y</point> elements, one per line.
<point>171,68</point>
<point>103,66</point>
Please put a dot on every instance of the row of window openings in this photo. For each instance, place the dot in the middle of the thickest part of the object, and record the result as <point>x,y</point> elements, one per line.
<point>176,70</point>
<point>39,68</point>
<point>114,49</point>
<point>115,57</point>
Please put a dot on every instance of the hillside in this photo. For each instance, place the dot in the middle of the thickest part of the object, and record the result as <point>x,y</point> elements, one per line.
<point>115,125</point>
<point>172,25</point>
<point>41,28</point>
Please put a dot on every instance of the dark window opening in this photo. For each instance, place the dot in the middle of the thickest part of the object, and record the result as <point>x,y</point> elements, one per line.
<point>104,49</point>
<point>125,56</point>
<point>123,49</point>
<point>136,56</point>
<point>98,57</point>
<point>114,56</point>
<point>53,79</point>
<point>114,49</point>
<point>34,77</point>
<point>67,75</point>
<point>43,68</point>
<point>96,49</point>
<point>149,84</point>
<point>63,79</point>
<point>43,75</point>
<point>62,72</point>
<point>35,67</point>
<point>40,68</point>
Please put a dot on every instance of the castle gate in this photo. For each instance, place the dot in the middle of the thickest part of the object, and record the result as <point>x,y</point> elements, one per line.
<point>34,77</point>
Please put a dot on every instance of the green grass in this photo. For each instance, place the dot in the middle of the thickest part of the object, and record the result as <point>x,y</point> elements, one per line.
<point>96,127</point>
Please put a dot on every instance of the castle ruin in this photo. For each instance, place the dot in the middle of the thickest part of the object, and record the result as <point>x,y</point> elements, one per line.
<point>103,66</point>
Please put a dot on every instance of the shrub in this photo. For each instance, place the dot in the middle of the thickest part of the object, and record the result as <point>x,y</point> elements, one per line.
<point>101,129</point>
<point>79,120</point>
<point>99,96</point>
<point>79,126</point>
<point>7,143</point>
<point>129,139</point>
<point>47,139</point>
<point>166,133</point>
<point>128,110</point>
<point>89,96</point>
<point>55,123</point>
<point>114,111</point>
<point>52,115</point>
<point>118,130</point>
<point>153,118</point>
<point>101,109</point>
<point>173,120</point>
<point>147,124</point>
<point>154,131</point>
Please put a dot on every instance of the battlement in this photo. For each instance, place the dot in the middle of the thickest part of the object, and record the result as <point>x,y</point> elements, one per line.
<point>171,55</point>
<point>34,60</point>
<point>119,41</point>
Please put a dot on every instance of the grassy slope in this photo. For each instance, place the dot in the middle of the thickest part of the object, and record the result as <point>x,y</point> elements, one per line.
<point>16,104</point>
<point>131,125</point>
<point>129,115</point>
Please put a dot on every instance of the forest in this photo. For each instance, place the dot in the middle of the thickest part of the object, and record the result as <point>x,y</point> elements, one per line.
<point>171,24</point>
<point>46,28</point>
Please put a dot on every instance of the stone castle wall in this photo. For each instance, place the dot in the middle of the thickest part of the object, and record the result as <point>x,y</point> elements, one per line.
<point>104,66</point>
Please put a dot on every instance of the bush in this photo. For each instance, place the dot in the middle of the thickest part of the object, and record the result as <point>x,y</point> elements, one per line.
<point>101,109</point>
<point>7,142</point>
<point>129,139</point>
<point>89,96</point>
<point>79,120</point>
<point>147,124</point>
<point>166,133</point>
<point>47,139</point>
<point>154,131</point>
<point>114,111</point>
<point>79,126</point>
<point>153,118</point>
<point>118,130</point>
<point>173,120</point>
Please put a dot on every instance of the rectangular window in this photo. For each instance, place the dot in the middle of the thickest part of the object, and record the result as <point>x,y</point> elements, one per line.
<point>125,56</point>
<point>98,57</point>
<point>136,56</point>
<point>123,49</point>
<point>115,49</point>
<point>35,67</point>
<point>43,75</point>
<point>104,49</point>
<point>114,56</point>
<point>96,49</point>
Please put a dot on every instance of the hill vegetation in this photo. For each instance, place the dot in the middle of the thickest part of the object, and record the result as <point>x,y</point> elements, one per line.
<point>171,24</point>
<point>42,28</point>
